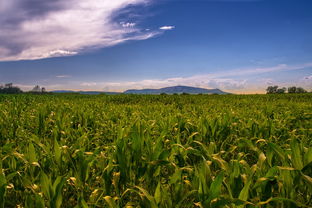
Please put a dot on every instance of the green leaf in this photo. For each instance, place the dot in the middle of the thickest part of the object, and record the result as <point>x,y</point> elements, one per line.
<point>277,150</point>
<point>45,184</point>
<point>175,177</point>
<point>308,156</point>
<point>32,153</point>
<point>157,194</point>
<point>57,187</point>
<point>215,187</point>
<point>150,199</point>
<point>296,157</point>
<point>3,184</point>
<point>245,191</point>
<point>57,152</point>
<point>83,203</point>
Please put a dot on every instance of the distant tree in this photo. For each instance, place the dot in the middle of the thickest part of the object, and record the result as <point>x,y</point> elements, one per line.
<point>300,90</point>
<point>8,85</point>
<point>292,89</point>
<point>10,89</point>
<point>185,93</point>
<point>275,90</point>
<point>281,90</point>
<point>163,93</point>
<point>272,89</point>
<point>296,90</point>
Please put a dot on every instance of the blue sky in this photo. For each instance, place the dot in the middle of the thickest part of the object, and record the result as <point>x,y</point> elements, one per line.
<point>240,46</point>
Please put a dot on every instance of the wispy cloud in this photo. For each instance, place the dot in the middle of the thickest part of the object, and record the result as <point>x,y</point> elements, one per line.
<point>63,28</point>
<point>195,81</point>
<point>261,70</point>
<point>307,81</point>
<point>167,28</point>
<point>88,84</point>
<point>308,77</point>
<point>63,76</point>
<point>231,81</point>
<point>226,80</point>
<point>128,24</point>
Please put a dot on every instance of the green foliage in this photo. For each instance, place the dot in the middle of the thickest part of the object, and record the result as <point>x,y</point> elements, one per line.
<point>275,90</point>
<point>10,90</point>
<point>296,90</point>
<point>291,90</point>
<point>156,151</point>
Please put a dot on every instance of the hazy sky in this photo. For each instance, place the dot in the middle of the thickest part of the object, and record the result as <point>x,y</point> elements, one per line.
<point>235,45</point>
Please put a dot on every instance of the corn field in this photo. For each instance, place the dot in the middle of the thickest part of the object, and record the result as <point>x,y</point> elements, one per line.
<point>152,151</point>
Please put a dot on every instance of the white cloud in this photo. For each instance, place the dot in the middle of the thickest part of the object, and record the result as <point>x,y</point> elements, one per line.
<point>167,28</point>
<point>307,82</point>
<point>88,84</point>
<point>63,28</point>
<point>308,77</point>
<point>63,76</point>
<point>268,81</point>
<point>128,24</point>
<point>261,70</point>
<point>197,81</point>
<point>224,80</point>
<point>57,53</point>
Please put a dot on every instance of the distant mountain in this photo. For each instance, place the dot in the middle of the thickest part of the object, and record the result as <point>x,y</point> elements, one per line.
<point>97,93</point>
<point>85,92</point>
<point>177,89</point>
<point>63,91</point>
<point>167,90</point>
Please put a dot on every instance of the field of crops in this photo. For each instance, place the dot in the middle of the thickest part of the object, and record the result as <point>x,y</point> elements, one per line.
<point>156,151</point>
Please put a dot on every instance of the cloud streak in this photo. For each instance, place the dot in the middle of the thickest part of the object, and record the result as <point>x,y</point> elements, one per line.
<point>261,70</point>
<point>63,28</point>
<point>167,28</point>
<point>63,76</point>
<point>230,81</point>
<point>225,80</point>
<point>308,77</point>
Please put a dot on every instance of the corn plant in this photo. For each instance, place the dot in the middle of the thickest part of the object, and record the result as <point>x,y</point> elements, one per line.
<point>205,151</point>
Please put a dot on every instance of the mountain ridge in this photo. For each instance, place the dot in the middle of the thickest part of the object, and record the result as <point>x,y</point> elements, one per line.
<point>179,89</point>
<point>85,92</point>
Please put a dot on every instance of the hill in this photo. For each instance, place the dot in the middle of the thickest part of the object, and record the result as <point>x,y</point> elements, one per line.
<point>85,92</point>
<point>167,90</point>
<point>176,89</point>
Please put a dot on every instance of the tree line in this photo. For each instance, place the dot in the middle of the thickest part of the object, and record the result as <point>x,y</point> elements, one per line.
<point>276,90</point>
<point>11,89</point>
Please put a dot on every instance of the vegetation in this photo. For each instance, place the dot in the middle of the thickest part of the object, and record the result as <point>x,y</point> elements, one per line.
<point>156,151</point>
<point>9,89</point>
<point>276,90</point>
<point>296,90</point>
